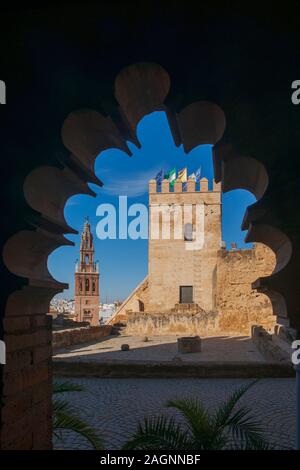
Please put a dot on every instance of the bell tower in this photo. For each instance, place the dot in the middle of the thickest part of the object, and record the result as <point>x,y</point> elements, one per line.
<point>87,280</point>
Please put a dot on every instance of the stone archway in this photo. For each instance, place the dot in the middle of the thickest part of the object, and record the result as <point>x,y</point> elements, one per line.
<point>139,89</point>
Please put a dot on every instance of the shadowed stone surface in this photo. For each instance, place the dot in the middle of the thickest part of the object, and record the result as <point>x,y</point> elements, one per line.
<point>114,406</point>
<point>162,348</point>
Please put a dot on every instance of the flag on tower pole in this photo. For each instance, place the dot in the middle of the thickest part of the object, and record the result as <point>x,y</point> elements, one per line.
<point>159,177</point>
<point>182,175</point>
<point>171,176</point>
<point>198,175</point>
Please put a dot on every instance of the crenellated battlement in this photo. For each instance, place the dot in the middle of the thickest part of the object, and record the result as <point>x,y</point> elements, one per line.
<point>191,187</point>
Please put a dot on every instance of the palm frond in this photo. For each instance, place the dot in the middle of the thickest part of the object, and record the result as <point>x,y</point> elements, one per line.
<point>223,413</point>
<point>63,387</point>
<point>198,421</point>
<point>245,430</point>
<point>64,418</point>
<point>58,406</point>
<point>257,446</point>
<point>159,434</point>
<point>227,428</point>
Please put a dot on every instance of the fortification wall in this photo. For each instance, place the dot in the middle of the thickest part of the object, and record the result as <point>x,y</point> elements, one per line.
<point>184,319</point>
<point>136,301</point>
<point>65,338</point>
<point>239,305</point>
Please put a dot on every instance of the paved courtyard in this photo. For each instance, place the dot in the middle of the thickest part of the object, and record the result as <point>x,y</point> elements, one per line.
<point>114,406</point>
<point>161,348</point>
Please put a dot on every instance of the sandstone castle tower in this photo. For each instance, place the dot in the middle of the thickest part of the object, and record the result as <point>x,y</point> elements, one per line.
<point>182,265</point>
<point>194,284</point>
<point>87,280</point>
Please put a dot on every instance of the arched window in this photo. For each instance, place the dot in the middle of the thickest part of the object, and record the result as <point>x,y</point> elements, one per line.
<point>80,286</point>
<point>188,232</point>
<point>87,284</point>
<point>94,286</point>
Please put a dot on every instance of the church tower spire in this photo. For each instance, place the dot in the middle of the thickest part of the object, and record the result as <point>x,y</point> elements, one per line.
<point>87,280</point>
<point>87,249</point>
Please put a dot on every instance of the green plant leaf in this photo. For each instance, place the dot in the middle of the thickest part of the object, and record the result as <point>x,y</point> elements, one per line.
<point>198,421</point>
<point>64,418</point>
<point>159,434</point>
<point>222,415</point>
<point>63,387</point>
<point>245,430</point>
<point>224,430</point>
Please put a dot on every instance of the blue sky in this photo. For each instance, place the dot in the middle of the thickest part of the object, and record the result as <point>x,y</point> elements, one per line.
<point>123,263</point>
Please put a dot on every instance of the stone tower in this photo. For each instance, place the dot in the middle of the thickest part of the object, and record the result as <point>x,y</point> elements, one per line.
<point>185,237</point>
<point>194,284</point>
<point>87,280</point>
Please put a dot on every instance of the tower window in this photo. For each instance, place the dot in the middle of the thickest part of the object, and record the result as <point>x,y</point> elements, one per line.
<point>186,294</point>
<point>87,284</point>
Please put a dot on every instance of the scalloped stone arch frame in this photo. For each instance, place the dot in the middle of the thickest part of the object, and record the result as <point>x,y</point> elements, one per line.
<point>140,89</point>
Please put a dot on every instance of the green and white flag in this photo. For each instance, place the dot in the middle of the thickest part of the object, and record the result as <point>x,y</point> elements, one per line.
<point>171,176</point>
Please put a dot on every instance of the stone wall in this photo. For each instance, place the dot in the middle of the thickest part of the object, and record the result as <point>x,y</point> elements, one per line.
<point>269,348</point>
<point>137,300</point>
<point>239,305</point>
<point>26,401</point>
<point>191,321</point>
<point>64,338</point>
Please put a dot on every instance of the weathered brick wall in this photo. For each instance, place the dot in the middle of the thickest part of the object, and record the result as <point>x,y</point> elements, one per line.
<point>62,339</point>
<point>239,306</point>
<point>26,411</point>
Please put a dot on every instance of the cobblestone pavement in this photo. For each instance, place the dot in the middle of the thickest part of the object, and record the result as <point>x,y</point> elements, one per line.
<point>161,348</point>
<point>114,406</point>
